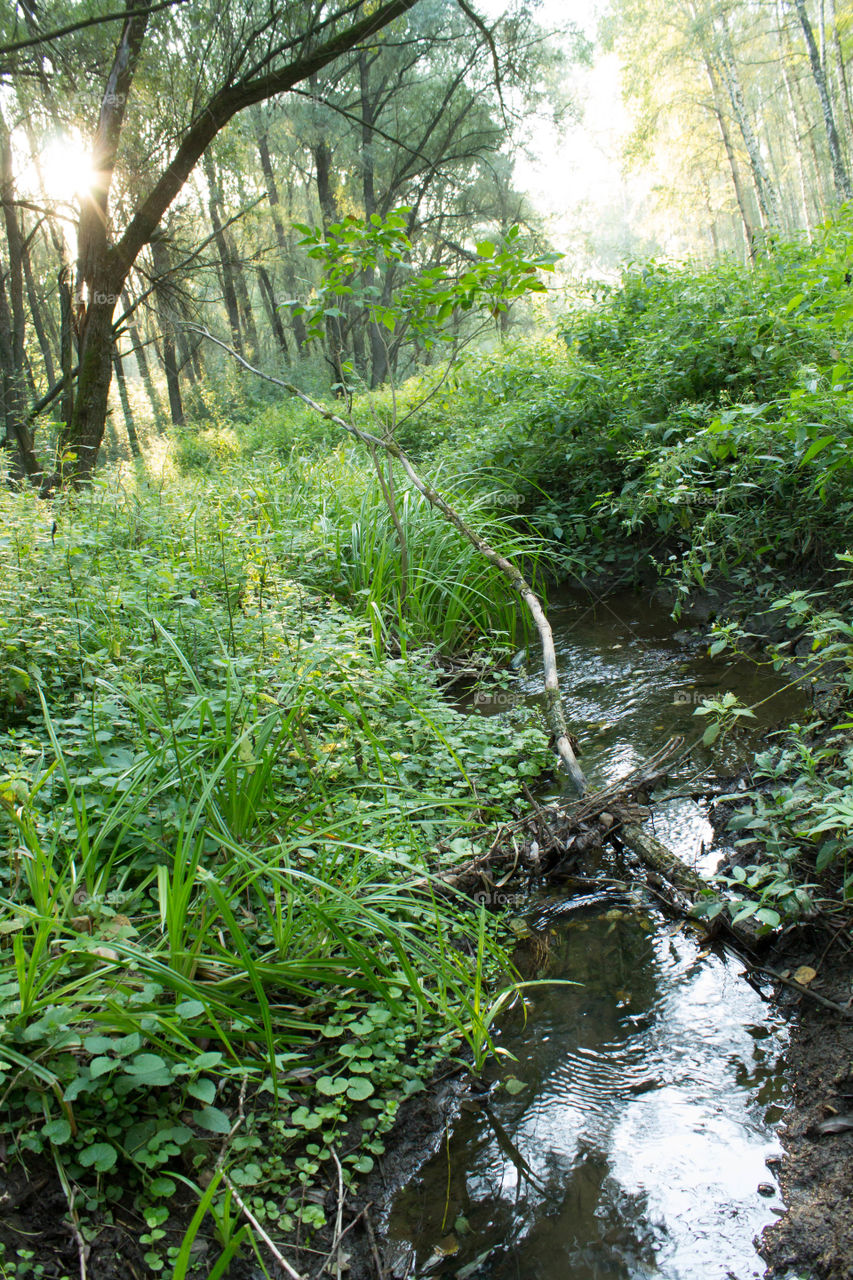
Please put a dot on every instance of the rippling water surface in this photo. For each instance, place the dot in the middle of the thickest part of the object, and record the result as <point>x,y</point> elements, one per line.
<point>635,1142</point>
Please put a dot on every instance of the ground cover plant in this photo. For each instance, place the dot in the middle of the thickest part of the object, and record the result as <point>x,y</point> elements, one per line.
<point>700,416</point>
<point>223,801</point>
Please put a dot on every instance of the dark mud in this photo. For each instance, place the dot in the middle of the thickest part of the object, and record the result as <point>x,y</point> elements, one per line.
<point>815,1237</point>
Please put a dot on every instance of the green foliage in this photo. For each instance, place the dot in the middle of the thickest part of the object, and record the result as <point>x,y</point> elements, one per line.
<point>699,418</point>
<point>351,252</point>
<point>798,811</point>
<point>222,806</point>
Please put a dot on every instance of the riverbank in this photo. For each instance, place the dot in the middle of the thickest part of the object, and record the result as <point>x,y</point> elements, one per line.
<point>814,1239</point>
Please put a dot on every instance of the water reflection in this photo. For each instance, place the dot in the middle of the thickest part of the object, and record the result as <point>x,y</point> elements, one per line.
<point>628,683</point>
<point>638,1144</point>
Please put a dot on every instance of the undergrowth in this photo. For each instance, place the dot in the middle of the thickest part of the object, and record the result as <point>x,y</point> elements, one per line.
<point>225,800</point>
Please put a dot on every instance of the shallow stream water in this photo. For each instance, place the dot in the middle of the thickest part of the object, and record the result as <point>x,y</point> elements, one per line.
<point>634,1136</point>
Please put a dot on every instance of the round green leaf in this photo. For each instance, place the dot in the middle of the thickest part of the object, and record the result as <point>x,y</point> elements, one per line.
<point>57,1131</point>
<point>330,1087</point>
<point>359,1088</point>
<point>101,1156</point>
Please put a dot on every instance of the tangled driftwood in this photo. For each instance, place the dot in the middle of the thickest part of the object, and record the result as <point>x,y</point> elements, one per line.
<point>548,842</point>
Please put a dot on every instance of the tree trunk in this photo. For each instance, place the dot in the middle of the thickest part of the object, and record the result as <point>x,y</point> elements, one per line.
<point>843,85</point>
<point>37,317</point>
<point>66,345</point>
<point>138,348</point>
<point>80,442</point>
<point>329,212</point>
<point>840,177</point>
<point>764,191</point>
<point>229,293</point>
<point>784,55</point>
<point>273,314</point>
<point>244,301</point>
<point>378,346</point>
<point>129,424</point>
<point>18,437</point>
<point>104,265</point>
<point>740,196</point>
<point>281,236</point>
<point>162,268</point>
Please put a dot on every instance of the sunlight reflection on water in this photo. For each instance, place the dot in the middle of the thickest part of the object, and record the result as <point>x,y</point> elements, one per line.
<point>637,1146</point>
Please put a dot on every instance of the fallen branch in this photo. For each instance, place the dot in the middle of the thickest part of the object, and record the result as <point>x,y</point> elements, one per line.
<point>553,703</point>
<point>805,991</point>
<point>661,859</point>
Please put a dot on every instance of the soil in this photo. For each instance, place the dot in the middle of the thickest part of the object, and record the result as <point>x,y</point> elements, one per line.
<point>814,1240</point>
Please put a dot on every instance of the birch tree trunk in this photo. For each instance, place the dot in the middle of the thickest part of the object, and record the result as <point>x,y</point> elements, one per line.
<point>740,195</point>
<point>764,190</point>
<point>840,175</point>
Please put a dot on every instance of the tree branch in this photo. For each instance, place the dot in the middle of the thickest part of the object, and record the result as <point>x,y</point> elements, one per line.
<point>553,703</point>
<point>226,104</point>
<point>121,16</point>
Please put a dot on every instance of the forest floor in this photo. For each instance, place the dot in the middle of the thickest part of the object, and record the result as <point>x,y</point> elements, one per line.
<point>812,1241</point>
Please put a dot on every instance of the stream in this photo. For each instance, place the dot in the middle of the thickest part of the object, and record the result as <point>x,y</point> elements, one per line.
<point>632,1134</point>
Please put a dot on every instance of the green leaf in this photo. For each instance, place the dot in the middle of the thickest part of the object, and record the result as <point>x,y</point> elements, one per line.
<point>359,1088</point>
<point>162,1187</point>
<point>486,249</point>
<point>213,1120</point>
<point>203,1090</point>
<point>100,1066</point>
<point>101,1156</point>
<point>817,447</point>
<point>330,1087</point>
<point>149,1069</point>
<point>189,1008</point>
<point>57,1131</point>
<point>305,1119</point>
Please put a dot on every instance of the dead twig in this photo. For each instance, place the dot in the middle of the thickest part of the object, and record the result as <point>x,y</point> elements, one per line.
<point>371,1235</point>
<point>336,1246</point>
<point>74,1221</point>
<point>256,1226</point>
<point>241,1116</point>
<point>840,1009</point>
<point>328,1257</point>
